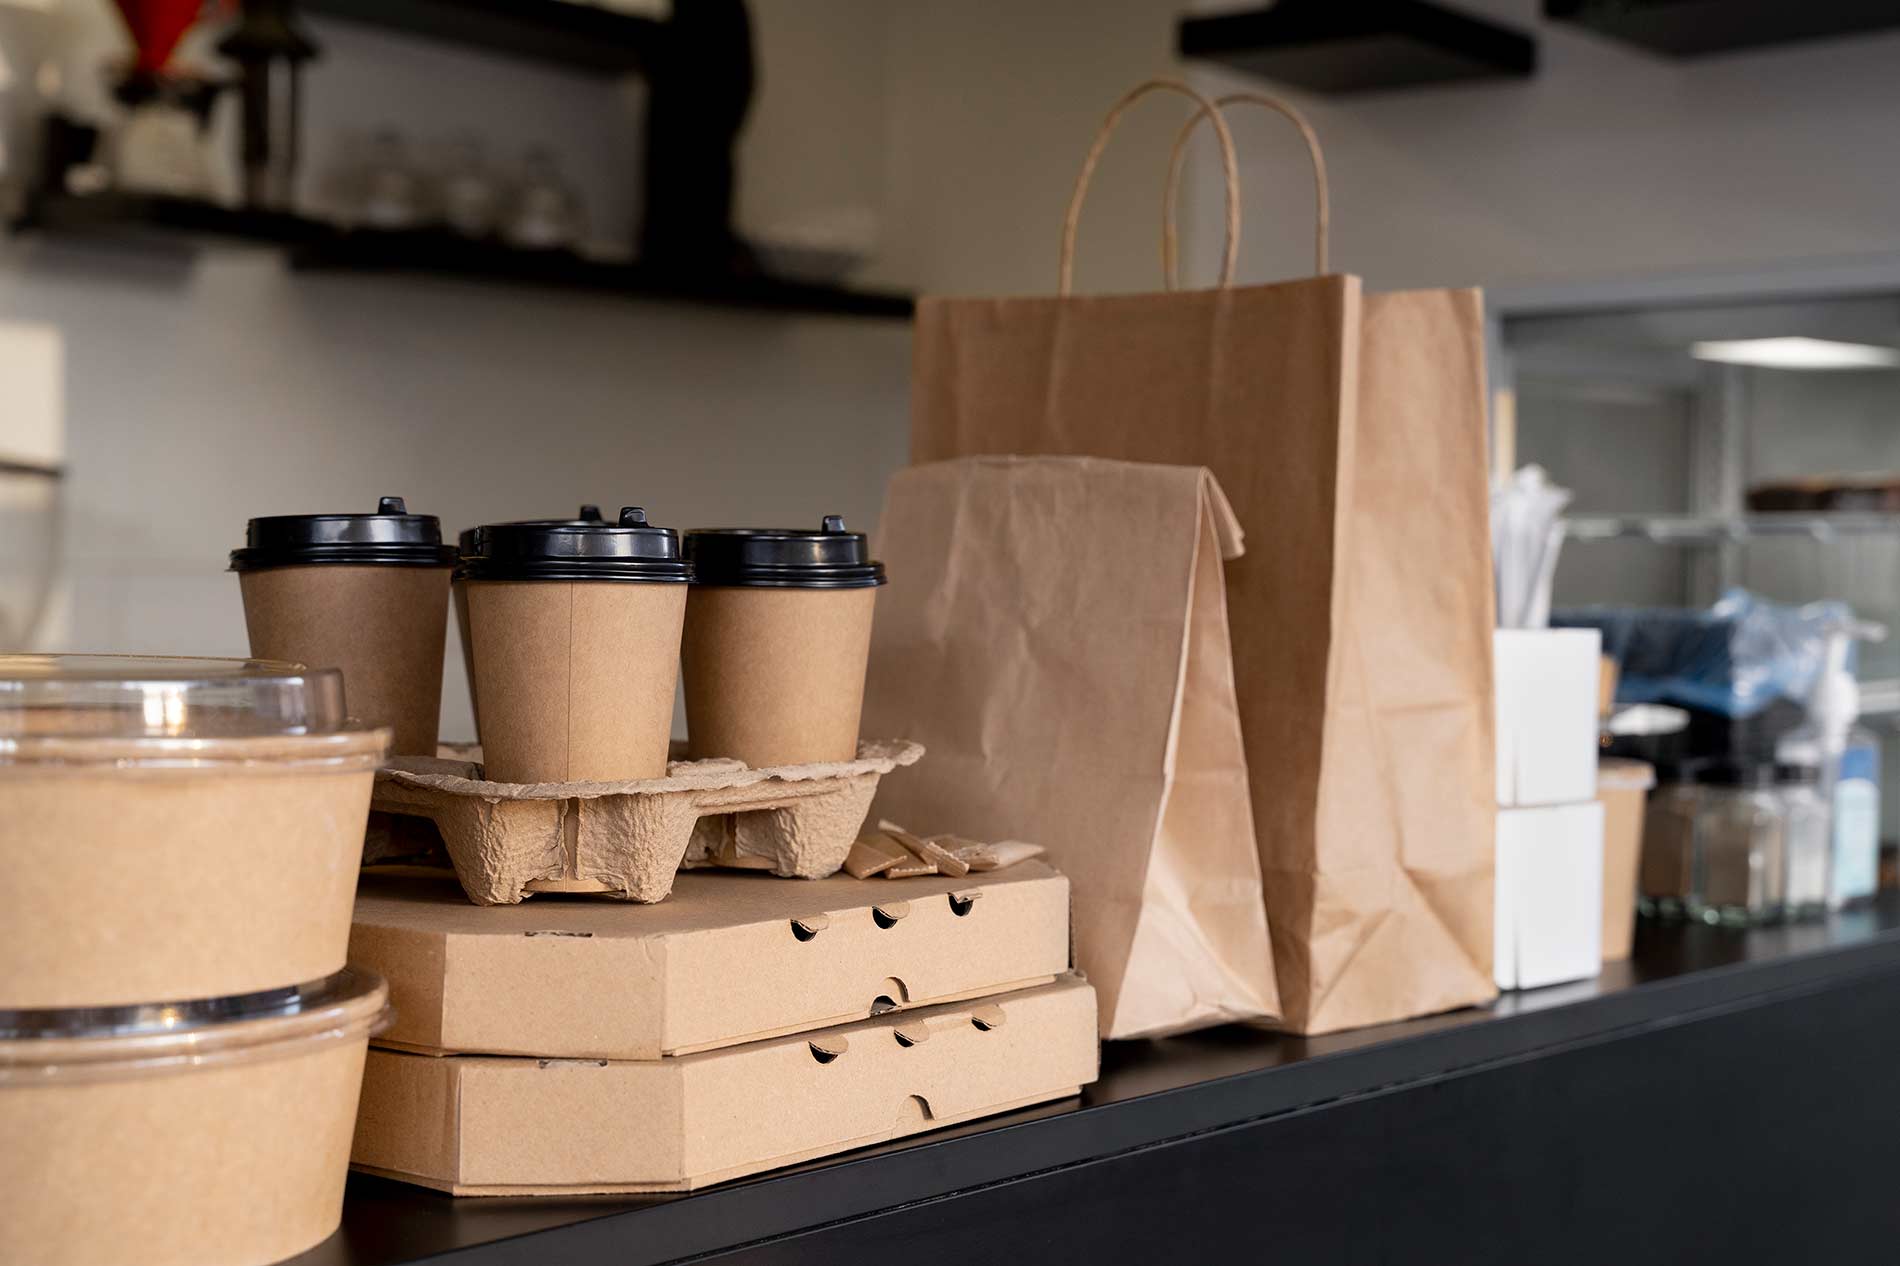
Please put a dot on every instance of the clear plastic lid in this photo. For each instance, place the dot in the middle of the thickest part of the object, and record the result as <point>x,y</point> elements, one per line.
<point>77,697</point>
<point>109,1043</point>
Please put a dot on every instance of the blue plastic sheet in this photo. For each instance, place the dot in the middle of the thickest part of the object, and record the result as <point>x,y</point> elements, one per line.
<point>1733,659</point>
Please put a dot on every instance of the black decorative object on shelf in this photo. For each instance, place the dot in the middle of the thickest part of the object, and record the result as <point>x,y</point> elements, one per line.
<point>583,37</point>
<point>698,92</point>
<point>272,50</point>
<point>1362,46</point>
<point>1694,28</point>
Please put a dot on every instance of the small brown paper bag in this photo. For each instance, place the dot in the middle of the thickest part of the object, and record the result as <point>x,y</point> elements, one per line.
<point>1055,633</point>
<point>1348,428</point>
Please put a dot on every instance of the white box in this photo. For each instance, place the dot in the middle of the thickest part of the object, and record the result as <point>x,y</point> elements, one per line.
<point>1546,683</point>
<point>1548,923</point>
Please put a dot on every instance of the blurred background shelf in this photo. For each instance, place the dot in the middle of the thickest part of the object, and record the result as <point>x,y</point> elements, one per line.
<point>1325,46</point>
<point>1688,529</point>
<point>133,218</point>
<point>439,254</point>
<point>585,37</point>
<point>139,220</point>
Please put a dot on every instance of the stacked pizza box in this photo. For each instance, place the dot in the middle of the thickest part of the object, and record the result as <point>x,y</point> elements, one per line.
<point>575,1044</point>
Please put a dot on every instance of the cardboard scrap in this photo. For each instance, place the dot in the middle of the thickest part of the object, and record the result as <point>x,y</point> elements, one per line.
<point>628,838</point>
<point>895,853</point>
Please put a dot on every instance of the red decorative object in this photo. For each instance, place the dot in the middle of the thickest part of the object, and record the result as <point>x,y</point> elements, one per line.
<point>156,27</point>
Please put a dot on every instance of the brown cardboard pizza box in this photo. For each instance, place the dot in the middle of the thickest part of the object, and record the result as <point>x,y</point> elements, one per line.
<point>731,957</point>
<point>508,1125</point>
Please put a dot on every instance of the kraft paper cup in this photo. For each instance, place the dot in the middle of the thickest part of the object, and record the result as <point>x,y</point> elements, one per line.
<point>179,1135</point>
<point>776,676</point>
<point>576,632</point>
<point>185,861</point>
<point>576,678</point>
<point>778,632</point>
<point>468,545</point>
<point>367,594</point>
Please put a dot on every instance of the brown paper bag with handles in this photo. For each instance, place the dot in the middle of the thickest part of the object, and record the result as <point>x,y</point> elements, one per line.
<point>1348,430</point>
<point>1055,634</point>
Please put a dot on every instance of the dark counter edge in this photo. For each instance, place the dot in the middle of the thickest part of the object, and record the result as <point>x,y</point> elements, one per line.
<point>1162,1091</point>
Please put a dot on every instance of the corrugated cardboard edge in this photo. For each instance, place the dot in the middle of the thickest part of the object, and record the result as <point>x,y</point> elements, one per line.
<point>875,756</point>
<point>708,1180</point>
<point>422,1127</point>
<point>825,1022</point>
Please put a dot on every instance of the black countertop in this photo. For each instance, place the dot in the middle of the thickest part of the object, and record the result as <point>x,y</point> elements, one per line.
<point>1150,1093</point>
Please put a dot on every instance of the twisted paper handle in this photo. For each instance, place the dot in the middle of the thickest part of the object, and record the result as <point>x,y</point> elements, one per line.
<point>1230,168</point>
<point>1322,201</point>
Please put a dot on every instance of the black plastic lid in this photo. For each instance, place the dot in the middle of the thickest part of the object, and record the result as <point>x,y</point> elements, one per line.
<point>1797,774</point>
<point>773,558</point>
<point>575,549</point>
<point>390,536</point>
<point>469,542</point>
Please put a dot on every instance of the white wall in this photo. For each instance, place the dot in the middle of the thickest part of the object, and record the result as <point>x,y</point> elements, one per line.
<point>1610,162</point>
<point>201,391</point>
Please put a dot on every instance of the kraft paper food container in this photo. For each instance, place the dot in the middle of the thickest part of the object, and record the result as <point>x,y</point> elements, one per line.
<point>207,1134</point>
<point>778,631</point>
<point>1623,786</point>
<point>729,958</point>
<point>468,544</point>
<point>175,828</point>
<point>506,1125</point>
<point>364,593</point>
<point>576,633</point>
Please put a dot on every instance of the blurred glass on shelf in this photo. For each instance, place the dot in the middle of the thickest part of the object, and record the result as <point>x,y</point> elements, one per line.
<point>472,193</point>
<point>547,212</point>
<point>392,191</point>
<point>1740,847</point>
<point>1808,833</point>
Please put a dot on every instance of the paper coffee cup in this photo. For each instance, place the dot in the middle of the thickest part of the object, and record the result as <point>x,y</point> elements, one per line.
<point>468,544</point>
<point>575,628</point>
<point>778,631</point>
<point>364,593</point>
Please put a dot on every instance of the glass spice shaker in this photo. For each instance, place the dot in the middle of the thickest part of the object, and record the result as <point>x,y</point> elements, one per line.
<point>1667,869</point>
<point>1807,837</point>
<point>1740,853</point>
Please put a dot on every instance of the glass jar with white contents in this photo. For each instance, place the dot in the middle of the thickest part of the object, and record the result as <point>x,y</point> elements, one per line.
<point>1807,829</point>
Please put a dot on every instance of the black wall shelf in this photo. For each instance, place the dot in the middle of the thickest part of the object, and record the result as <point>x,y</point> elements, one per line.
<point>141,217</point>
<point>144,220</point>
<point>579,36</point>
<point>1365,46</point>
<point>1693,28</point>
<point>438,254</point>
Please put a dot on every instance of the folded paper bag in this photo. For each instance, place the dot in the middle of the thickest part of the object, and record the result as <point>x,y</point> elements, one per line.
<point>1055,631</point>
<point>1349,430</point>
